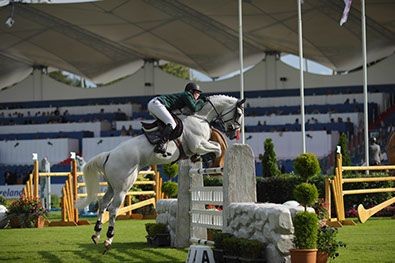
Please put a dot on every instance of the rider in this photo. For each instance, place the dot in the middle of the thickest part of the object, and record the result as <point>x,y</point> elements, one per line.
<point>161,106</point>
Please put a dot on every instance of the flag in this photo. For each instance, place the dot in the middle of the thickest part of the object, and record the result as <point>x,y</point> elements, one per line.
<point>346,11</point>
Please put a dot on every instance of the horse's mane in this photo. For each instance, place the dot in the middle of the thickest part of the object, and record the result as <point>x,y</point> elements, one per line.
<point>220,96</point>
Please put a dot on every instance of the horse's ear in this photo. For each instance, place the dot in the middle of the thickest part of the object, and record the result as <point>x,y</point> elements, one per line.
<point>240,102</point>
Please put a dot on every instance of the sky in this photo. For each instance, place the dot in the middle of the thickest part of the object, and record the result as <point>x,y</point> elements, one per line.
<point>289,59</point>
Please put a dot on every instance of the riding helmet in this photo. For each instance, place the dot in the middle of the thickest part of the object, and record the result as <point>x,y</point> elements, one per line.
<point>192,87</point>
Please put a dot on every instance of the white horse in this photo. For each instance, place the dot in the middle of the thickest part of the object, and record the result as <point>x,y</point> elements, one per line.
<point>121,165</point>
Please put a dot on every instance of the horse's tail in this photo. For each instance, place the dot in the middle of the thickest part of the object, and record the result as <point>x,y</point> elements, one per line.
<point>92,171</point>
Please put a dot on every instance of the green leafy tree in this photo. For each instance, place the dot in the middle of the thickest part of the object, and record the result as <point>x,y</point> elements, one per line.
<point>59,76</point>
<point>269,160</point>
<point>176,70</point>
<point>343,143</point>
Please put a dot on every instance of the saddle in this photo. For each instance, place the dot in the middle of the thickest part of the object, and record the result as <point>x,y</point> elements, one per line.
<point>153,130</point>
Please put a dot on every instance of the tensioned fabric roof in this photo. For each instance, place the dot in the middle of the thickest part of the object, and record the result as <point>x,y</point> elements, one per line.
<point>104,40</point>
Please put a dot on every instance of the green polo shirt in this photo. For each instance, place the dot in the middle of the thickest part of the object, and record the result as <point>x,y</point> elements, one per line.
<point>180,100</point>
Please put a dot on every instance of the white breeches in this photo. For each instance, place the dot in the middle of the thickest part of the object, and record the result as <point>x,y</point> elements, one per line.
<point>156,108</point>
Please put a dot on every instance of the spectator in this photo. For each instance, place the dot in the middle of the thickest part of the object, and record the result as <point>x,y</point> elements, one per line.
<point>124,132</point>
<point>130,130</point>
<point>375,152</point>
<point>10,178</point>
<point>45,167</point>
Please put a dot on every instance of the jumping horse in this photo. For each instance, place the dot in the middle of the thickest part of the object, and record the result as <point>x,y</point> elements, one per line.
<point>121,165</point>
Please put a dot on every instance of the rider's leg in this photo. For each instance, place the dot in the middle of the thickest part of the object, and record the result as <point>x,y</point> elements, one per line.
<point>157,109</point>
<point>160,147</point>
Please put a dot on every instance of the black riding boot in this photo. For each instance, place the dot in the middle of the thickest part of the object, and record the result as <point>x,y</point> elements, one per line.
<point>160,147</point>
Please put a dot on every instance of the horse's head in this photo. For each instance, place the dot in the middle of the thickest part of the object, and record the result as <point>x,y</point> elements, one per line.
<point>229,112</point>
<point>232,126</point>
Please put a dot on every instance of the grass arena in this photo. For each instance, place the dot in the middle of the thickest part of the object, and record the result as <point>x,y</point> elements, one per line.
<point>60,244</point>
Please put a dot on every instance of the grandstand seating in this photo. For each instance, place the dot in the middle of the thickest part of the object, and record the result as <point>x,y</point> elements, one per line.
<point>325,116</point>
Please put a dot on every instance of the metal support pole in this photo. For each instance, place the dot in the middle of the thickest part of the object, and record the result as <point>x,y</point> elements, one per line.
<point>241,66</point>
<point>365,82</point>
<point>301,69</point>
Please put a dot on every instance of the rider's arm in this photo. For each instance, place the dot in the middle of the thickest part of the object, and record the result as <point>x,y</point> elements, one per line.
<point>194,105</point>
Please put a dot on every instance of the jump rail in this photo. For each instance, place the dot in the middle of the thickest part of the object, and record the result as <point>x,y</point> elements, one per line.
<point>70,193</point>
<point>336,185</point>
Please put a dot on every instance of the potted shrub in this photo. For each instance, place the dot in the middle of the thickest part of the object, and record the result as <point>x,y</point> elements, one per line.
<point>231,249</point>
<point>158,235</point>
<point>251,251</point>
<point>305,240</point>
<point>327,244</point>
<point>306,166</point>
<point>218,249</point>
<point>305,225</point>
<point>26,212</point>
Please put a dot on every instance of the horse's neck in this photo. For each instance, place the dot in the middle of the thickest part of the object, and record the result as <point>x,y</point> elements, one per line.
<point>210,112</point>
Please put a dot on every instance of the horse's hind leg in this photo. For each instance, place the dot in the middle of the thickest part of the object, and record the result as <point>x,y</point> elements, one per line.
<point>113,209</point>
<point>103,204</point>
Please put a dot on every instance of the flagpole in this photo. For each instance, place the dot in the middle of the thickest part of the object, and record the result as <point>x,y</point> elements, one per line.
<point>241,66</point>
<point>365,82</point>
<point>301,76</point>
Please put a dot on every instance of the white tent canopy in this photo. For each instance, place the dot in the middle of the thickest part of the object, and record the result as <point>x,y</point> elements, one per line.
<point>97,38</point>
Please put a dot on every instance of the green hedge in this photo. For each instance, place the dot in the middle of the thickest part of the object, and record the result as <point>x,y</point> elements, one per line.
<point>212,180</point>
<point>277,189</point>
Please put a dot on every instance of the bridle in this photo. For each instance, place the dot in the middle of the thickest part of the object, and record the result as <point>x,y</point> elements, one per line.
<point>219,119</point>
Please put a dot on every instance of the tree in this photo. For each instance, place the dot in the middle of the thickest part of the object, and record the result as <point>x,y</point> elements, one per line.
<point>176,70</point>
<point>67,79</point>
<point>343,143</point>
<point>59,76</point>
<point>269,160</point>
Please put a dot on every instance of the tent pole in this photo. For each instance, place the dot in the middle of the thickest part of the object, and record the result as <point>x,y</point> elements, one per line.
<point>241,66</point>
<point>301,69</point>
<point>365,82</point>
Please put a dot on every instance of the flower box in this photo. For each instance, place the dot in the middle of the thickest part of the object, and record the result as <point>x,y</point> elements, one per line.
<point>159,240</point>
<point>158,235</point>
<point>231,259</point>
<point>26,221</point>
<point>218,255</point>
<point>26,212</point>
<point>251,260</point>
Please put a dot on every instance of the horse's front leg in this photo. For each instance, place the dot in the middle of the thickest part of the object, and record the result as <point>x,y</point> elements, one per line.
<point>113,209</point>
<point>103,204</point>
<point>207,147</point>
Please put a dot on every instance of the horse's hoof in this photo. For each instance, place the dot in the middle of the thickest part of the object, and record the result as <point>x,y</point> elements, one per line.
<point>95,239</point>
<point>107,246</point>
